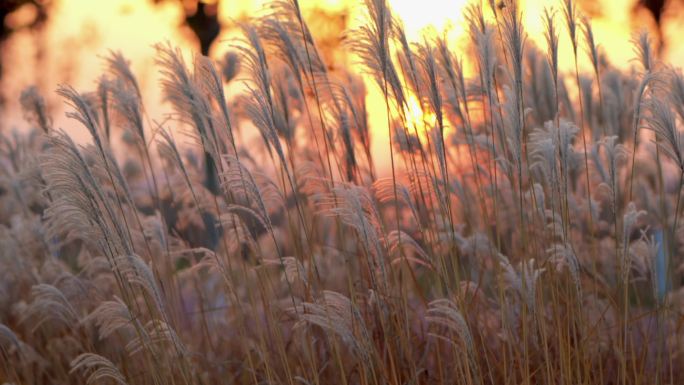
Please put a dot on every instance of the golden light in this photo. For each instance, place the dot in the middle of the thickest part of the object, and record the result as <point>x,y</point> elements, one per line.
<point>307,207</point>
<point>415,115</point>
<point>431,14</point>
<point>80,32</point>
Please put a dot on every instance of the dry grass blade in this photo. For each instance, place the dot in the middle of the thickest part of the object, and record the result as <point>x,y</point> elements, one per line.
<point>97,369</point>
<point>443,231</point>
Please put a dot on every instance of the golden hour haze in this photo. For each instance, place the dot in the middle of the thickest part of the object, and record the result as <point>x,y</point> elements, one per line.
<point>314,192</point>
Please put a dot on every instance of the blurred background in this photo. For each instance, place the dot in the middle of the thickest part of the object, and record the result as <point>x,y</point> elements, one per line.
<point>49,42</point>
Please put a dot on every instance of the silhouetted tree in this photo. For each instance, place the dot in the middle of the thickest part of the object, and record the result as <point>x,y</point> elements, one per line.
<point>204,23</point>
<point>656,8</point>
<point>6,29</point>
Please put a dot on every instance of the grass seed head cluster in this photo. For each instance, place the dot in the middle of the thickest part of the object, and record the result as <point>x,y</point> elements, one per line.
<point>526,231</point>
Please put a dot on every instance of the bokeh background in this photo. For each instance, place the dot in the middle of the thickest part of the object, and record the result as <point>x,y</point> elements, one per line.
<point>51,42</point>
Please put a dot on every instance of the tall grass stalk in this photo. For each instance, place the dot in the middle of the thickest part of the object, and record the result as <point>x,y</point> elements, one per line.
<point>252,236</point>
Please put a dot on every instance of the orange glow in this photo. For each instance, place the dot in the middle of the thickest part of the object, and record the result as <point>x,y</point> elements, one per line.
<point>416,117</point>
<point>80,32</point>
<point>432,14</point>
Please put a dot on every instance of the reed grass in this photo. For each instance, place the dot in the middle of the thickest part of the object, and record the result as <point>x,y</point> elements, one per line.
<point>525,229</point>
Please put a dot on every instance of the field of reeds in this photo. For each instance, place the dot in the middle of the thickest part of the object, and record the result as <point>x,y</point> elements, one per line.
<point>524,230</point>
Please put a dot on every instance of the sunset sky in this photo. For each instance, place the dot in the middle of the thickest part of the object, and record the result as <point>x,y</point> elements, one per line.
<point>78,33</point>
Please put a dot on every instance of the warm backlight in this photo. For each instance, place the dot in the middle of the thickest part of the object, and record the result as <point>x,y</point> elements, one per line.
<point>79,32</point>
